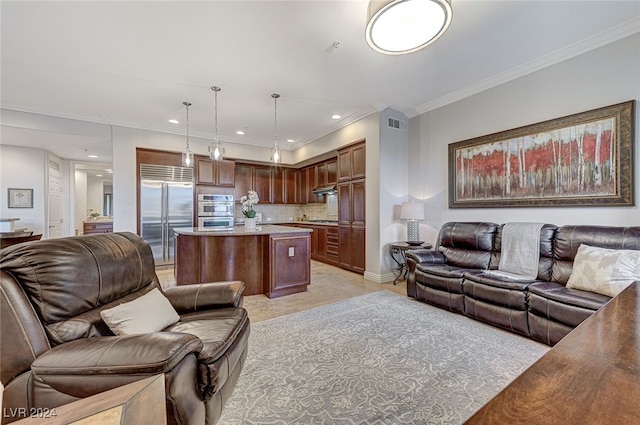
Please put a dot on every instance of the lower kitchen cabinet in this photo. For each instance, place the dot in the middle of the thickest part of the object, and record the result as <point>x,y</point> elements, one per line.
<point>352,248</point>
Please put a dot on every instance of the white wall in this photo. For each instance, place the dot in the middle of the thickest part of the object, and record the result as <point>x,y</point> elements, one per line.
<point>95,195</point>
<point>393,178</point>
<point>24,168</point>
<point>602,77</point>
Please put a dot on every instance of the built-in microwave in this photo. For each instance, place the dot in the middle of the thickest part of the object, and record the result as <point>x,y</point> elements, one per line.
<point>215,205</point>
<point>215,223</point>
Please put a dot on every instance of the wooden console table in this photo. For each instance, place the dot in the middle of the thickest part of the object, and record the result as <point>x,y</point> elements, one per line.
<point>592,376</point>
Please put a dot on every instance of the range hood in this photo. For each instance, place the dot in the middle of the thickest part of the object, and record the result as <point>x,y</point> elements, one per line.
<point>322,190</point>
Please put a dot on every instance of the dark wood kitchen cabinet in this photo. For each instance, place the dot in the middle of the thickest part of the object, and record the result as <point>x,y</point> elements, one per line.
<point>327,172</point>
<point>244,180</point>
<point>351,223</point>
<point>263,184</point>
<point>215,173</point>
<point>351,162</point>
<point>284,185</point>
<point>309,181</point>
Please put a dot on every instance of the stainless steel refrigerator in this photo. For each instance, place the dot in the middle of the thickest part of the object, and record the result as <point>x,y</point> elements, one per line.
<point>166,202</point>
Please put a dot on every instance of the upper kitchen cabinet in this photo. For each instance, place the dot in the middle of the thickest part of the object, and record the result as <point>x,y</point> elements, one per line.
<point>309,181</point>
<point>285,185</point>
<point>259,178</point>
<point>351,162</point>
<point>215,173</point>
<point>327,172</point>
<point>263,183</point>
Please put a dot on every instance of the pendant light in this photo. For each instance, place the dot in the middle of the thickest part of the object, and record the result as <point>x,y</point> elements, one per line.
<point>187,155</point>
<point>276,154</point>
<point>396,27</point>
<point>216,150</point>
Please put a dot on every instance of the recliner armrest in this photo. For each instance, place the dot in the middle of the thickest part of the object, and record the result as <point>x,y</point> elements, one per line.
<point>204,296</point>
<point>424,256</point>
<point>152,353</point>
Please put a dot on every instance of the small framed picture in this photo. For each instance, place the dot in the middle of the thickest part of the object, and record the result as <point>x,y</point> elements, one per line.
<point>20,198</point>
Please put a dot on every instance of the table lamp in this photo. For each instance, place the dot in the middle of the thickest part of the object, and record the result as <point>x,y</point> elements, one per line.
<point>412,212</point>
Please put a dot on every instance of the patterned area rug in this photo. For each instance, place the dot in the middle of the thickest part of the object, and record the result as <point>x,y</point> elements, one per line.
<point>376,359</point>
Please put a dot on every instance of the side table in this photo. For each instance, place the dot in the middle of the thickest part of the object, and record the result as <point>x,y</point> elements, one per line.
<point>398,251</point>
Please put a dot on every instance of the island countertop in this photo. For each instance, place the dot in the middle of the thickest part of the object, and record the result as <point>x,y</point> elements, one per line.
<point>267,229</point>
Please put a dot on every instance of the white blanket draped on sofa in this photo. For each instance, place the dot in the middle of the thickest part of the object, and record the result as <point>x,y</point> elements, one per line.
<point>520,251</point>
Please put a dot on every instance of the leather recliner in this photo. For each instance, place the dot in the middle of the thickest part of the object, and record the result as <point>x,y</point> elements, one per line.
<point>56,349</point>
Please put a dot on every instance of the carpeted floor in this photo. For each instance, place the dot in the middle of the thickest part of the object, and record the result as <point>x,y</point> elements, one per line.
<point>380,358</point>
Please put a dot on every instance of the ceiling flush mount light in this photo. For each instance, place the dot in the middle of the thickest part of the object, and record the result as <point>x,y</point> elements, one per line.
<point>216,150</point>
<point>173,121</point>
<point>276,154</point>
<point>335,117</point>
<point>187,155</point>
<point>396,27</point>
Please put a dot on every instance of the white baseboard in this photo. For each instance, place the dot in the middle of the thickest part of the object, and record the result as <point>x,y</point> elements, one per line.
<point>379,278</point>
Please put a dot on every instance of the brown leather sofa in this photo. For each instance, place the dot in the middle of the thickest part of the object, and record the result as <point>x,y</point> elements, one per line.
<point>55,347</point>
<point>451,277</point>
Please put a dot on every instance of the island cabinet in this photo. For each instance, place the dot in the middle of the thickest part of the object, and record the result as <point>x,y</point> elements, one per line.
<point>324,242</point>
<point>215,173</point>
<point>271,260</point>
<point>95,227</point>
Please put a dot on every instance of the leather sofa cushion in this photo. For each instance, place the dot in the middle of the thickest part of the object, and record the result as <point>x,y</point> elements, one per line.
<point>46,270</point>
<point>569,238</point>
<point>467,245</point>
<point>559,293</point>
<point>478,276</point>
<point>217,329</point>
<point>442,270</point>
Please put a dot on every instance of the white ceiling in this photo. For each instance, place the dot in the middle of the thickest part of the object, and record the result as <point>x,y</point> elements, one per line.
<point>134,63</point>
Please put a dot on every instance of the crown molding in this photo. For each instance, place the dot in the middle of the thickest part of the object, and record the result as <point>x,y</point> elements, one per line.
<point>588,44</point>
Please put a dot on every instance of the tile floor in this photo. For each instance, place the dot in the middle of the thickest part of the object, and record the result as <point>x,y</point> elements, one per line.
<point>329,284</point>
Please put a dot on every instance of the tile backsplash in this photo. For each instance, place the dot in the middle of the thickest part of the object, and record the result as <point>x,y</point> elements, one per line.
<point>291,212</point>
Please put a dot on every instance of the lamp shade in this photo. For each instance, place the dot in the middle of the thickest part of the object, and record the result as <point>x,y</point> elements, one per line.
<point>412,211</point>
<point>395,27</point>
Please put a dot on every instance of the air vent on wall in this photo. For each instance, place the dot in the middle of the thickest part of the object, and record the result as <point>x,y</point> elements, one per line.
<point>54,165</point>
<point>396,123</point>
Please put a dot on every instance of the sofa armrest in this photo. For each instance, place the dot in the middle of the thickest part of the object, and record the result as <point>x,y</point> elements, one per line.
<point>204,296</point>
<point>152,353</point>
<point>425,256</point>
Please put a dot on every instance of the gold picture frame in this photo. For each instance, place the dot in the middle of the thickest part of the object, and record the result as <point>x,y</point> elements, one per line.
<point>585,159</point>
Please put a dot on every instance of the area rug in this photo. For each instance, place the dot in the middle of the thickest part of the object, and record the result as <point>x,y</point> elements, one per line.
<point>380,358</point>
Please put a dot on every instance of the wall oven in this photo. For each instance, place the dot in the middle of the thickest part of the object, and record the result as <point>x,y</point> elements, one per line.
<point>215,223</point>
<point>215,205</point>
<point>215,212</point>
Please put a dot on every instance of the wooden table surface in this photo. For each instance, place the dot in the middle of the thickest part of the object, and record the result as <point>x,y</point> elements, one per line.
<point>592,376</point>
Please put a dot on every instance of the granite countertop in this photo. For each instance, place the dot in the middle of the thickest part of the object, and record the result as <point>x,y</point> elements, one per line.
<point>267,229</point>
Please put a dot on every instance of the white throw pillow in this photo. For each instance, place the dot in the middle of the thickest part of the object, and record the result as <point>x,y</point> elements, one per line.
<point>151,312</point>
<point>604,271</point>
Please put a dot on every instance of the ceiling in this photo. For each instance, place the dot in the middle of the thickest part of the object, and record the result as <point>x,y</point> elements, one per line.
<point>133,64</point>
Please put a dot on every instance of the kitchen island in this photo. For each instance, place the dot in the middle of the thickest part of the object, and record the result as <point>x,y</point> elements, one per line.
<point>271,260</point>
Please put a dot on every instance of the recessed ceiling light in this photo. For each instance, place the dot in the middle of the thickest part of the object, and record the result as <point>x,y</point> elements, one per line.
<point>98,175</point>
<point>336,117</point>
<point>93,156</point>
<point>240,133</point>
<point>290,140</point>
<point>174,121</point>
